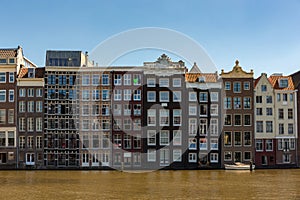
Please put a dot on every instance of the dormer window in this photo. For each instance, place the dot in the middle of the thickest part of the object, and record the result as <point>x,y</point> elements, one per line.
<point>283,83</point>
<point>30,72</point>
<point>201,79</point>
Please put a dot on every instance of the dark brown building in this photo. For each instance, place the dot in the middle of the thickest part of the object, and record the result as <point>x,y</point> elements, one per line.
<point>238,126</point>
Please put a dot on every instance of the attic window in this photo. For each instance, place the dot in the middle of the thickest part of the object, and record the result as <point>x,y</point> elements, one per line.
<point>2,61</point>
<point>283,83</point>
<point>11,61</point>
<point>202,79</point>
<point>30,72</point>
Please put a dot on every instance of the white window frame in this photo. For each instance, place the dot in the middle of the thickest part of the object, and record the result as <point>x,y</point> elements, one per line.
<point>176,82</point>
<point>127,79</point>
<point>193,96</point>
<point>151,136</point>
<point>151,82</point>
<point>176,96</point>
<point>151,94</point>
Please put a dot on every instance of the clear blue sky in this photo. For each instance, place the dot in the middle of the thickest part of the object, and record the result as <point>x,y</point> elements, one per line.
<point>263,34</point>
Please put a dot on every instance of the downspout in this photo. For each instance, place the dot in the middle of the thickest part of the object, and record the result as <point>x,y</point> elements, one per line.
<point>296,126</point>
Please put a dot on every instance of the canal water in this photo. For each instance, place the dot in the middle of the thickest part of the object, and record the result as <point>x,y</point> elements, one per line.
<point>212,184</point>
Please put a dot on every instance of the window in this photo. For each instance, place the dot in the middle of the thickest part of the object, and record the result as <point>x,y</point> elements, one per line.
<point>85,95</point>
<point>151,137</point>
<point>176,82</point>
<point>176,96</point>
<point>105,79</point>
<point>259,127</point>
<point>164,137</point>
<point>258,99</point>
<point>237,138</point>
<point>117,109</point>
<point>30,142</point>
<point>227,85</point>
<point>136,79</point>
<point>246,85</point>
<point>127,79</point>
<point>117,79</point>
<point>22,142</point>
<point>164,117</point>
<point>151,96</point>
<point>11,77</point>
<point>192,157</point>
<point>237,102</point>
<point>2,77</point>
<point>163,82</point>
<point>22,92</point>
<point>127,141</point>
<point>269,145</point>
<point>164,96</point>
<point>21,123</point>
<point>137,109</point>
<point>177,137</point>
<point>127,124</point>
<point>192,126</point>
<point>95,79</point>
<point>213,128</point>
<point>247,155</point>
<point>22,106</point>
<point>127,109</point>
<point>236,87</point>
<point>247,120</point>
<point>95,110</point>
<point>39,124</point>
<point>227,103</point>
<point>192,143</point>
<point>247,138</point>
<point>269,126</point>
<point>117,141</point>
<point>259,145</point>
<point>283,83</point>
<point>192,96</point>
<point>269,99</point>
<point>151,155</point>
<point>284,97</point>
<point>137,95</point>
<point>281,128</point>
<point>203,110</point>
<point>227,121</point>
<point>137,141</point>
<point>2,95</point>
<point>11,116</point>
<point>227,156</point>
<point>214,109</point>
<point>62,80</point>
<point>39,106</point>
<point>290,128</point>
<point>214,144</point>
<point>30,92</point>
<point>227,138</point>
<point>203,126</point>
<point>151,82</point>
<point>263,88</point>
<point>117,124</point>
<point>117,95</point>
<point>177,155</point>
<point>177,117</point>
<point>280,113</point>
<point>237,120</point>
<point>214,157</point>
<point>278,97</point>
<point>247,102</point>
<point>30,106</point>
<point>151,118</point>
<point>127,95</point>
<point>290,113</point>
<point>39,92</point>
<point>105,95</point>
<point>259,111</point>
<point>214,96</point>
<point>203,144</point>
<point>291,97</point>
<point>269,111</point>
<point>3,61</point>
<point>192,110</point>
<point>85,124</point>
<point>203,97</point>
<point>2,139</point>
<point>85,110</point>
<point>30,124</point>
<point>11,96</point>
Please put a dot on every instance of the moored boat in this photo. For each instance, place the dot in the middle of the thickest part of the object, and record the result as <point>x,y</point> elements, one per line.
<point>239,166</point>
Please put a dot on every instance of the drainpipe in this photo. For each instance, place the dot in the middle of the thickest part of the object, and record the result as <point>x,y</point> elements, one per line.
<point>296,126</point>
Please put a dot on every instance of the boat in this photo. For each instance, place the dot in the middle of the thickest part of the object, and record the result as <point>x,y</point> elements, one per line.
<point>239,166</point>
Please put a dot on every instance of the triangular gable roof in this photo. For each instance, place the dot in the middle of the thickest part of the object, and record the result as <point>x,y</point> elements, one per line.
<point>195,69</point>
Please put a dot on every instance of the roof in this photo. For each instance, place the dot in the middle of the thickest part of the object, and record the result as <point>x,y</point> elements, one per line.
<point>195,69</point>
<point>274,80</point>
<point>237,72</point>
<point>38,72</point>
<point>23,72</point>
<point>194,77</point>
<point>8,53</point>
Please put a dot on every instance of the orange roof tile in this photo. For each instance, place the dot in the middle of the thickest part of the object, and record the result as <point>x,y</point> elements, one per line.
<point>23,72</point>
<point>274,80</point>
<point>209,77</point>
<point>8,53</point>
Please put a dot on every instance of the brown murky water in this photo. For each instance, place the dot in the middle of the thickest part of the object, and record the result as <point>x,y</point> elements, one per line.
<point>214,184</point>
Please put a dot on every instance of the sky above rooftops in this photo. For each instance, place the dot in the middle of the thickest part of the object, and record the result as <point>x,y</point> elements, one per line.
<point>262,35</point>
